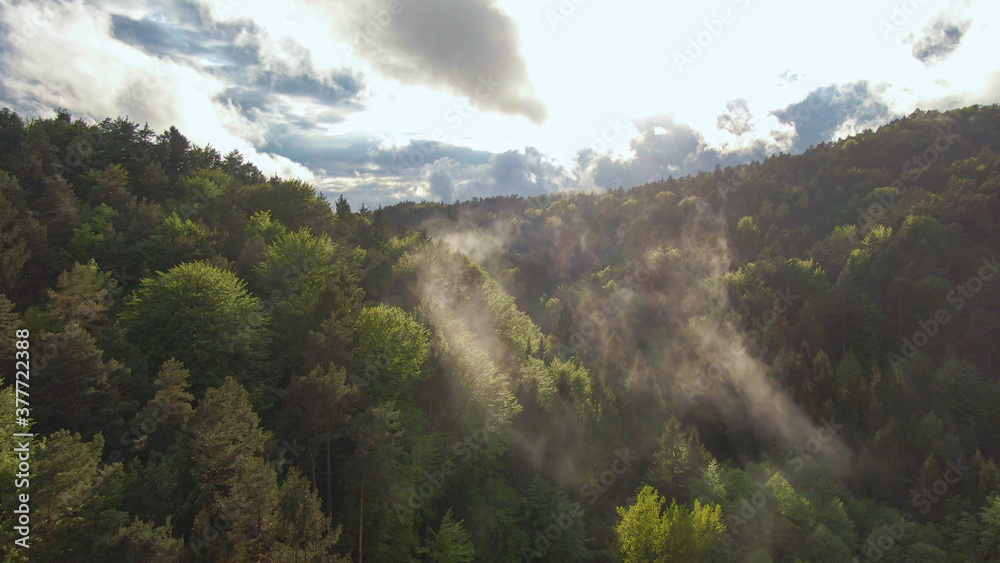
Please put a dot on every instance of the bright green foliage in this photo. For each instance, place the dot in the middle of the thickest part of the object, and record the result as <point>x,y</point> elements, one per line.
<point>293,203</point>
<point>202,316</point>
<point>262,225</point>
<point>178,240</point>
<point>648,533</point>
<point>391,348</point>
<point>98,232</point>
<point>989,534</point>
<point>484,391</point>
<point>297,263</point>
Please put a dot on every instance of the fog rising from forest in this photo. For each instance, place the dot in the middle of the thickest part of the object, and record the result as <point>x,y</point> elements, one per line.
<point>499,281</point>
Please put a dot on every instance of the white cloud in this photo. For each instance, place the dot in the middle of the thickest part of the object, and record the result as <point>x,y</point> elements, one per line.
<point>605,62</point>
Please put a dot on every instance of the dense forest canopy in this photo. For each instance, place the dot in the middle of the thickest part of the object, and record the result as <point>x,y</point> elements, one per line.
<point>790,360</point>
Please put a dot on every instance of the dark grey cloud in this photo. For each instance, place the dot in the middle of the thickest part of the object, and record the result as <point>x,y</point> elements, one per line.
<point>940,38</point>
<point>366,170</point>
<point>818,117</point>
<point>736,119</point>
<point>186,34</point>
<point>664,148</point>
<point>468,47</point>
<point>383,181</point>
<point>523,172</point>
<point>357,155</point>
<point>231,51</point>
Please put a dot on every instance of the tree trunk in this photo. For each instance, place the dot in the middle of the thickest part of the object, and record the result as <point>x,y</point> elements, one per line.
<point>361,522</point>
<point>329,481</point>
<point>312,467</point>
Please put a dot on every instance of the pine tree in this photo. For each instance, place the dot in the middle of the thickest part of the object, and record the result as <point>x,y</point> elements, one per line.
<point>315,408</point>
<point>305,533</point>
<point>76,388</point>
<point>157,425</point>
<point>450,543</point>
<point>75,500</point>
<point>81,295</point>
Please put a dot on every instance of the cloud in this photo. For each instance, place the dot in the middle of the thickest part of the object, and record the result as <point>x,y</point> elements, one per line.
<point>737,118</point>
<point>467,47</point>
<point>833,111</point>
<point>259,83</point>
<point>940,38</point>
<point>98,76</point>
<point>664,148</point>
<point>370,170</point>
<point>789,77</point>
<point>461,174</point>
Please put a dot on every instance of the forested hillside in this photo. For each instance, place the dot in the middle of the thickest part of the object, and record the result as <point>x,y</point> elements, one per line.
<point>791,360</point>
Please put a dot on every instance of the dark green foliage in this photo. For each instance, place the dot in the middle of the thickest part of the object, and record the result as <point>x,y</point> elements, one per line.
<point>789,360</point>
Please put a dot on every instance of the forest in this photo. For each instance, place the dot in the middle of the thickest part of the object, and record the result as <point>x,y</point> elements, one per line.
<point>789,360</point>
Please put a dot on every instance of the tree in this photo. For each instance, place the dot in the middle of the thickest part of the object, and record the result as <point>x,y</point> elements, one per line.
<point>8,467</point>
<point>343,208</point>
<point>647,533</point>
<point>75,500</point>
<point>305,533</point>
<point>377,474</point>
<point>10,321</point>
<point>678,460</point>
<point>21,236</point>
<point>204,317</point>
<point>76,388</point>
<point>234,491</point>
<point>391,349</point>
<point>556,524</point>
<point>172,151</point>
<point>110,187</point>
<point>81,296</point>
<point>989,535</point>
<point>177,240</point>
<point>147,542</point>
<point>292,202</point>
<point>295,273</point>
<point>315,408</point>
<point>58,209</point>
<point>158,423</point>
<point>450,543</point>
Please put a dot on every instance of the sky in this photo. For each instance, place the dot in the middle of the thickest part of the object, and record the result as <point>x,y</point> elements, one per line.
<point>392,100</point>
